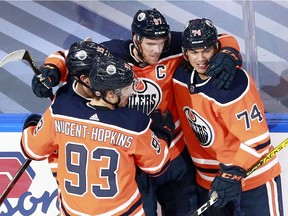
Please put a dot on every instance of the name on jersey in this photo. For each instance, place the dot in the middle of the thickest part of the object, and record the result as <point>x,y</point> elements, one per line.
<point>93,133</point>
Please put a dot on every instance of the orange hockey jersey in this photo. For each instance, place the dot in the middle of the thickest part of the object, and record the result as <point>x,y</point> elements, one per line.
<point>226,126</point>
<point>98,150</point>
<point>156,80</point>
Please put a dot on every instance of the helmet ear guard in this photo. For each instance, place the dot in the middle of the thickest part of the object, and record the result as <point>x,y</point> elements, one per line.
<point>184,51</point>
<point>137,39</point>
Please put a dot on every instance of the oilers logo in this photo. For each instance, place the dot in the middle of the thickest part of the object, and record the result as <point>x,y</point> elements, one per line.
<point>202,129</point>
<point>147,98</point>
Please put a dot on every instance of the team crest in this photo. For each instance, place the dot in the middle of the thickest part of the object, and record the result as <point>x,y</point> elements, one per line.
<point>111,69</point>
<point>141,17</point>
<point>202,129</point>
<point>209,23</point>
<point>81,55</point>
<point>147,98</point>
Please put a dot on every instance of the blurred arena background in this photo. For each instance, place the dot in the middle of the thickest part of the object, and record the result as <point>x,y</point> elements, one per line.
<point>42,27</point>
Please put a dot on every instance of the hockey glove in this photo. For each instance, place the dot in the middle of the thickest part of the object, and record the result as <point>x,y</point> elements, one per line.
<point>39,89</point>
<point>223,67</point>
<point>163,125</point>
<point>31,120</point>
<point>227,184</point>
<point>41,84</point>
<point>50,75</point>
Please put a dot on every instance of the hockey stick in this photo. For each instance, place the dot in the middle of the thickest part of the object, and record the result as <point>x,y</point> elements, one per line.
<point>259,163</point>
<point>20,55</point>
<point>23,55</point>
<point>14,180</point>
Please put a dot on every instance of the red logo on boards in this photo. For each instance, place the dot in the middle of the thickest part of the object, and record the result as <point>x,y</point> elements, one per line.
<point>10,163</point>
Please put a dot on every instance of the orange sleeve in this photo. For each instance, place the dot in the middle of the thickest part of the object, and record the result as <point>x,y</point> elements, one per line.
<point>151,154</point>
<point>228,41</point>
<point>34,141</point>
<point>59,60</point>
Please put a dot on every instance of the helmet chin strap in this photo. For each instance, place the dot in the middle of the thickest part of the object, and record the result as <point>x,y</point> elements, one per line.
<point>82,83</point>
<point>113,104</point>
<point>137,46</point>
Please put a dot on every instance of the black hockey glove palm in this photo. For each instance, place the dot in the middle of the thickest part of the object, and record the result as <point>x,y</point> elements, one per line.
<point>31,120</point>
<point>163,125</point>
<point>227,184</point>
<point>223,67</point>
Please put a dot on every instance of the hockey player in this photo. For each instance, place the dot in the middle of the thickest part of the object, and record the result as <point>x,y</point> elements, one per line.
<point>155,52</point>
<point>99,143</point>
<point>79,60</point>
<point>153,64</point>
<point>231,130</point>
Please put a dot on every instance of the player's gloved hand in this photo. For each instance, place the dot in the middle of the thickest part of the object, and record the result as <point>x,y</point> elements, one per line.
<point>50,75</point>
<point>163,125</point>
<point>31,120</point>
<point>223,67</point>
<point>227,184</point>
<point>39,89</point>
